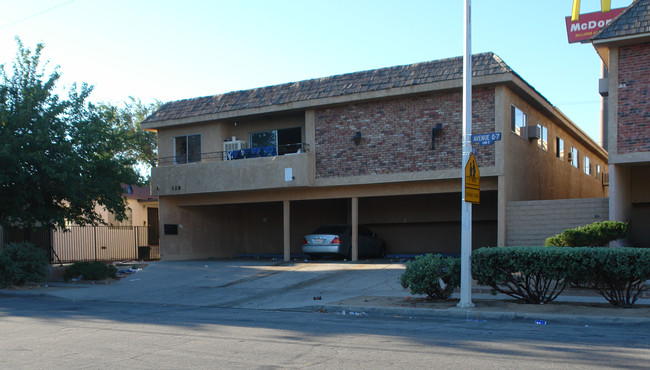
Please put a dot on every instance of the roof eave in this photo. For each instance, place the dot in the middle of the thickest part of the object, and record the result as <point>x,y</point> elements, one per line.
<point>336,100</point>
<point>602,46</point>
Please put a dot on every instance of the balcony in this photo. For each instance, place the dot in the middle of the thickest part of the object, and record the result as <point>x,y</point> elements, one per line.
<point>234,170</point>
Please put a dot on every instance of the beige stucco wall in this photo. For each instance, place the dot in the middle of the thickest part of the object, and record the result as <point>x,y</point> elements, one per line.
<point>234,175</point>
<point>531,173</point>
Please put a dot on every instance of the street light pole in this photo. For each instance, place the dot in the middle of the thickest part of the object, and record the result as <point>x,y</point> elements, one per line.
<point>466,207</point>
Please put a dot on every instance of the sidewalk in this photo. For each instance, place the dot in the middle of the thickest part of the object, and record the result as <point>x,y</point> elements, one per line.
<point>361,289</point>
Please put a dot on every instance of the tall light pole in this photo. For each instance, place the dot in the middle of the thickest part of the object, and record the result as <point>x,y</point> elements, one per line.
<point>466,207</point>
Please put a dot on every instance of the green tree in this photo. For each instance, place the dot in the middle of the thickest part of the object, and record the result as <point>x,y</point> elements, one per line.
<point>59,156</point>
<point>137,144</point>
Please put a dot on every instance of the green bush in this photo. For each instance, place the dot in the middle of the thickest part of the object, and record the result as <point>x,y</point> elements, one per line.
<point>21,263</point>
<point>598,234</point>
<point>90,271</point>
<point>618,274</point>
<point>530,274</point>
<point>433,275</point>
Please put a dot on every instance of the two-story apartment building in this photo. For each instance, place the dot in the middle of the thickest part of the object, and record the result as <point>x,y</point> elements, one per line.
<point>252,172</point>
<point>624,46</point>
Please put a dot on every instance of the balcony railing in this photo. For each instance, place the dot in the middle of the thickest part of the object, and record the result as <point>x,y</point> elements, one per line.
<point>259,152</point>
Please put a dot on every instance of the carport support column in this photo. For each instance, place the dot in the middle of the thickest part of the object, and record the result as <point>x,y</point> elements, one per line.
<point>286,230</point>
<point>355,229</point>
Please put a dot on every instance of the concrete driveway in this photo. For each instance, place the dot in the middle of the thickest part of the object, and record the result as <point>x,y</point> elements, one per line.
<point>257,284</point>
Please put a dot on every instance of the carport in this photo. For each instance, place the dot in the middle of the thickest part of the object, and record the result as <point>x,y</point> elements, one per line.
<point>409,224</point>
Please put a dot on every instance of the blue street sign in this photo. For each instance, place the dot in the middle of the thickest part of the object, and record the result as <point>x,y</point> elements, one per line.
<point>486,139</point>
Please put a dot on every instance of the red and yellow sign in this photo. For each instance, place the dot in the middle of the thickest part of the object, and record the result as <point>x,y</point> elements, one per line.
<point>581,27</point>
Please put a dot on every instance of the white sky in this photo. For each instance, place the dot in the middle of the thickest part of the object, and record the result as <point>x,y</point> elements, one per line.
<point>170,50</point>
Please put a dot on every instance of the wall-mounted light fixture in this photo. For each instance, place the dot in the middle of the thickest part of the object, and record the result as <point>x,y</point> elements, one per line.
<point>435,132</point>
<point>357,138</point>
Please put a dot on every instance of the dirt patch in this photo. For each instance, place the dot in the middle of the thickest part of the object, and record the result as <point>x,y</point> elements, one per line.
<point>504,305</point>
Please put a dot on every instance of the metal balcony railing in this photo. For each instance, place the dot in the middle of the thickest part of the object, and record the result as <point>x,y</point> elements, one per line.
<point>259,152</point>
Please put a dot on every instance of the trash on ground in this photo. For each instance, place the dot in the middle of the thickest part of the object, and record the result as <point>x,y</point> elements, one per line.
<point>127,272</point>
<point>317,298</point>
<point>540,322</point>
<point>467,318</point>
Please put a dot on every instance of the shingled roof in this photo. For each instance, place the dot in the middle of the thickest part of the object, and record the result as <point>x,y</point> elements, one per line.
<point>352,83</point>
<point>634,20</point>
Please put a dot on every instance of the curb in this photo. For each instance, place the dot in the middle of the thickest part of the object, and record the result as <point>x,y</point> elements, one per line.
<point>475,315</point>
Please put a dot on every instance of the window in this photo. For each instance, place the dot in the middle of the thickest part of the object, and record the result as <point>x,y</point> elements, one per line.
<point>559,148</point>
<point>287,140</point>
<point>597,171</point>
<point>574,159</point>
<point>519,120</point>
<point>587,167</point>
<point>543,140</point>
<point>187,148</point>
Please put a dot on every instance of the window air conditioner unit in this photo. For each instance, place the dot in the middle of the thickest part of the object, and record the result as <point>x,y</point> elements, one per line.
<point>233,144</point>
<point>605,178</point>
<point>534,132</point>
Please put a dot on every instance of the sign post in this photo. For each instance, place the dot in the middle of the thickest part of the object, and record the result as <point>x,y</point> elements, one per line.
<point>466,208</point>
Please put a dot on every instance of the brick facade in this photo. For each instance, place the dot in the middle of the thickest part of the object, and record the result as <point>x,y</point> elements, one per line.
<point>634,101</point>
<point>396,134</point>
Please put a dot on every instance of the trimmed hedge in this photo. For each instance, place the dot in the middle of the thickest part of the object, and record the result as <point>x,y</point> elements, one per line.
<point>617,274</point>
<point>530,274</point>
<point>598,234</point>
<point>540,274</point>
<point>21,263</point>
<point>90,271</point>
<point>433,275</point>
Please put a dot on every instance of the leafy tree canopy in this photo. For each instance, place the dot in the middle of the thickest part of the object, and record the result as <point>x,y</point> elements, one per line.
<point>138,144</point>
<point>59,155</point>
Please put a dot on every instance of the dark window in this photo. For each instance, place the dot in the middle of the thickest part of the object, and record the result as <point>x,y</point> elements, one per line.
<point>287,140</point>
<point>187,148</point>
<point>518,120</point>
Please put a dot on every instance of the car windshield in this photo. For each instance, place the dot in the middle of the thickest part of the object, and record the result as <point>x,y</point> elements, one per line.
<point>333,230</point>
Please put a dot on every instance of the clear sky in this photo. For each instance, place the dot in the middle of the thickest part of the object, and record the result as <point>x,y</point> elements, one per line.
<point>170,50</point>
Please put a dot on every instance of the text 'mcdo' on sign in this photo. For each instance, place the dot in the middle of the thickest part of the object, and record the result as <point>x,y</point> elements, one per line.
<point>588,24</point>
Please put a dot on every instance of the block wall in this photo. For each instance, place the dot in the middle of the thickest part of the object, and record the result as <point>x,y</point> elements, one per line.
<point>529,223</point>
<point>396,134</point>
<point>633,99</point>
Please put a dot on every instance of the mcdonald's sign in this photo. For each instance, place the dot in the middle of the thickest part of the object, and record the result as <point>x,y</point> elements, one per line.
<point>581,27</point>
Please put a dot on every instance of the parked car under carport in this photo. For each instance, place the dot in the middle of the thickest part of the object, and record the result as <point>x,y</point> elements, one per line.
<point>336,240</point>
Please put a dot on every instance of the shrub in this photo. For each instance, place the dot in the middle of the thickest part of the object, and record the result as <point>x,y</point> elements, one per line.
<point>598,234</point>
<point>530,274</point>
<point>21,263</point>
<point>90,271</point>
<point>618,274</point>
<point>433,275</point>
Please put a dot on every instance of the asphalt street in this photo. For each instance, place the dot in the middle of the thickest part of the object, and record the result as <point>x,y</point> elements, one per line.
<point>41,331</point>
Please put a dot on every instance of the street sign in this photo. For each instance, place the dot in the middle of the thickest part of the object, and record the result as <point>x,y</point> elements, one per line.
<point>486,139</point>
<point>472,181</point>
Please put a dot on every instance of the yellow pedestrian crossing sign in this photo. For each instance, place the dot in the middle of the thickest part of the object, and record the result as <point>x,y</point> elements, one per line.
<point>472,181</point>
